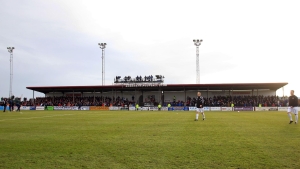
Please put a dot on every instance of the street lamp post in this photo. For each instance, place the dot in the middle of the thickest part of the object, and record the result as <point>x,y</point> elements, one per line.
<point>10,50</point>
<point>197,43</point>
<point>102,46</point>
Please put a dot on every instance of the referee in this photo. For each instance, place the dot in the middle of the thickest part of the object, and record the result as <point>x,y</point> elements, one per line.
<point>293,107</point>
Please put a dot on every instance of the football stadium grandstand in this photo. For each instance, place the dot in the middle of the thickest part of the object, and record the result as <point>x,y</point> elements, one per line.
<point>149,91</point>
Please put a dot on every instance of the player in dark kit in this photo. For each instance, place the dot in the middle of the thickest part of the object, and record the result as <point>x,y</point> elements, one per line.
<point>11,105</point>
<point>4,105</point>
<point>293,107</point>
<point>18,104</point>
<point>199,106</point>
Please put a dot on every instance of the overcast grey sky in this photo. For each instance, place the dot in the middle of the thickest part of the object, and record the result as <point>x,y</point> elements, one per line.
<point>56,41</point>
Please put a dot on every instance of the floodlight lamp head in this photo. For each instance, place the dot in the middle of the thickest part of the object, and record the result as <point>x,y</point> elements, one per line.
<point>194,40</point>
<point>8,47</point>
<point>13,47</point>
<point>99,44</point>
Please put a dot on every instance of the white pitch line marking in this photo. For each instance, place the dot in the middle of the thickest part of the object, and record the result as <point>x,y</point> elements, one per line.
<point>37,117</point>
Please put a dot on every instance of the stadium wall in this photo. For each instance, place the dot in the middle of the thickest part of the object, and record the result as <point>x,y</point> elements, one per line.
<point>143,108</point>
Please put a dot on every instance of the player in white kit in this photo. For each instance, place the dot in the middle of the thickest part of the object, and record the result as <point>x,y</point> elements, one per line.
<point>293,107</point>
<point>199,106</point>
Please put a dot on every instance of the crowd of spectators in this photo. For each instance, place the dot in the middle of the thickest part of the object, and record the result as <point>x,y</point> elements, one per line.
<point>241,101</point>
<point>215,101</point>
<point>79,101</point>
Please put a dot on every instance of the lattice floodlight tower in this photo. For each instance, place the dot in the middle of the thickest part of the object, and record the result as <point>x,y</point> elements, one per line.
<point>102,46</point>
<point>10,50</point>
<point>197,43</point>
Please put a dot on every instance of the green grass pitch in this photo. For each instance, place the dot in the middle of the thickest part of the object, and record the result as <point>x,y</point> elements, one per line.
<point>148,139</point>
